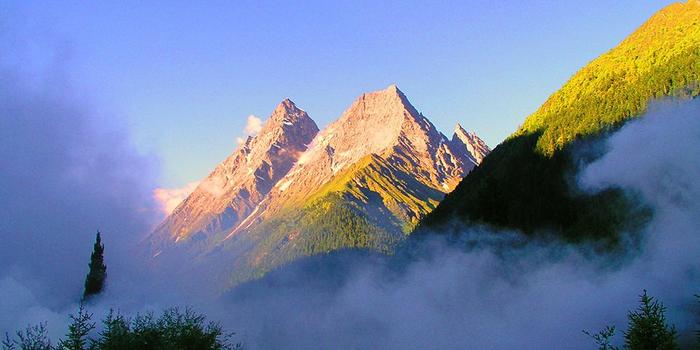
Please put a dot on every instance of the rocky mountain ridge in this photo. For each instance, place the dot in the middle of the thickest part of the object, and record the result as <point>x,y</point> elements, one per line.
<point>382,123</point>
<point>237,185</point>
<point>362,182</point>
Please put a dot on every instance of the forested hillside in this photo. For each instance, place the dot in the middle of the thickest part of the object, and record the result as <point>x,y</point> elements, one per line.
<point>525,182</point>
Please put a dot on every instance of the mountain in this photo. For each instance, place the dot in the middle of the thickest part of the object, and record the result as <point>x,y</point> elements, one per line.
<point>523,183</point>
<point>237,185</point>
<point>476,147</point>
<point>378,127</point>
<point>363,182</point>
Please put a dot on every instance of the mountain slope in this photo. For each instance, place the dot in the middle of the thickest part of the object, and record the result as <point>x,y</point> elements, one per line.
<point>373,205</point>
<point>230,193</point>
<point>365,182</point>
<point>383,123</point>
<point>522,184</point>
<point>661,58</point>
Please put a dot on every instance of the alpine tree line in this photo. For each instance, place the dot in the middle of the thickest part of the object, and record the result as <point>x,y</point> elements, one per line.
<point>174,329</point>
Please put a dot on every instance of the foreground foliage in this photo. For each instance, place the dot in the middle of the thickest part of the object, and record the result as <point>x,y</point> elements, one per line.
<point>647,329</point>
<point>173,330</point>
<point>32,338</point>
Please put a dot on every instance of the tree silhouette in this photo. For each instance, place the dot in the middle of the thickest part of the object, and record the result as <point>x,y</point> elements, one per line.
<point>80,327</point>
<point>603,339</point>
<point>648,328</point>
<point>33,338</point>
<point>95,280</point>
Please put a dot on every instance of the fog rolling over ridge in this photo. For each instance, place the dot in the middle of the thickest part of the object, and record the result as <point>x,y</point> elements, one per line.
<point>539,295</point>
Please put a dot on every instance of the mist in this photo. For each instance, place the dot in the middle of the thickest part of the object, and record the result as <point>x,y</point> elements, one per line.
<point>68,168</point>
<point>534,295</point>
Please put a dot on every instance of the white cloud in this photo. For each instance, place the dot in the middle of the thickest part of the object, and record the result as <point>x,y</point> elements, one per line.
<point>253,125</point>
<point>170,198</point>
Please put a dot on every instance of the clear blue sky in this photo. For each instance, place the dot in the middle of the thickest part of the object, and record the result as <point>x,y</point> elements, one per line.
<point>186,74</point>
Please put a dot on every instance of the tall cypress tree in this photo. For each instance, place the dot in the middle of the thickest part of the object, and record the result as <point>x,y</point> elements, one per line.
<point>95,280</point>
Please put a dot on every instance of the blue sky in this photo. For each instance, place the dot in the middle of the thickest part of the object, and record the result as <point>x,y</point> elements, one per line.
<point>184,75</point>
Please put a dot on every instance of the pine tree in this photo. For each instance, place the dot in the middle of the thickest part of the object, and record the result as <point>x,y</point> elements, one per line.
<point>116,333</point>
<point>7,343</point>
<point>603,339</point>
<point>32,338</point>
<point>648,329</point>
<point>77,337</point>
<point>95,280</point>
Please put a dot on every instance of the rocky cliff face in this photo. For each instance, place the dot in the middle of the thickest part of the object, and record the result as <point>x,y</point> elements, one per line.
<point>241,182</point>
<point>475,146</point>
<point>381,123</point>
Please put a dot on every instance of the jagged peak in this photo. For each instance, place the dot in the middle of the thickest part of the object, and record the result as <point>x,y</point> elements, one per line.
<point>460,132</point>
<point>388,110</point>
<point>286,107</point>
<point>288,104</point>
<point>393,91</point>
<point>390,92</point>
<point>476,147</point>
<point>288,113</point>
<point>393,88</point>
<point>390,98</point>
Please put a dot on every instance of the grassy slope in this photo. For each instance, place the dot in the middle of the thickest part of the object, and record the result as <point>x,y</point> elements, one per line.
<point>523,183</point>
<point>380,190</point>
<point>371,205</point>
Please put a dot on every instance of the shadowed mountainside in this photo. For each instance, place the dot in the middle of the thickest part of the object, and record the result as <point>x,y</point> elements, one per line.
<point>526,183</point>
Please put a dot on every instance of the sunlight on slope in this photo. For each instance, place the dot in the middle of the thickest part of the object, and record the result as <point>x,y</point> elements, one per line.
<point>660,58</point>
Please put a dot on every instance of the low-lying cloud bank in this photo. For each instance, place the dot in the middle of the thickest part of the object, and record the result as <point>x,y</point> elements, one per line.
<point>537,296</point>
